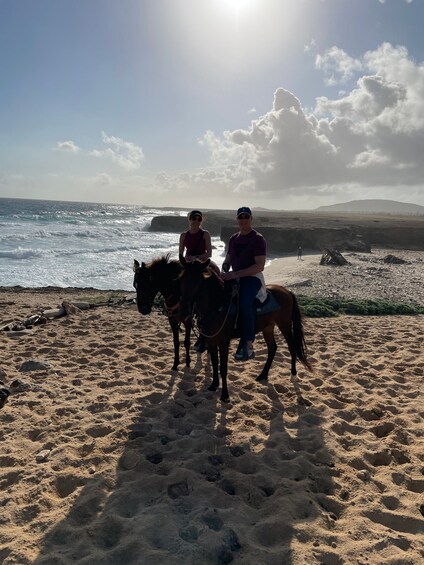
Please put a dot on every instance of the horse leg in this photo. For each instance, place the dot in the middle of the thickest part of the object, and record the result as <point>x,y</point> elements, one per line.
<point>187,343</point>
<point>288,336</point>
<point>175,330</point>
<point>223,369</point>
<point>268,334</point>
<point>213,352</point>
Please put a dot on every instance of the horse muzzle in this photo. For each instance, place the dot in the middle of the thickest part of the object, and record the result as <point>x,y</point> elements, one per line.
<point>144,309</point>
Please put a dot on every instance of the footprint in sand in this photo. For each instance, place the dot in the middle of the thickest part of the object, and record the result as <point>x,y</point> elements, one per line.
<point>397,522</point>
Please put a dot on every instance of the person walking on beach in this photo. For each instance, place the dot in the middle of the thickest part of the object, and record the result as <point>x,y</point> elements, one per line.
<point>299,252</point>
<point>246,256</point>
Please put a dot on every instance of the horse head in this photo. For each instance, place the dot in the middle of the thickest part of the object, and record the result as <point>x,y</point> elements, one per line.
<point>191,278</point>
<point>146,287</point>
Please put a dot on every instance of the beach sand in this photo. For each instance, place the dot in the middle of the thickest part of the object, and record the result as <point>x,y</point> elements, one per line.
<point>144,465</point>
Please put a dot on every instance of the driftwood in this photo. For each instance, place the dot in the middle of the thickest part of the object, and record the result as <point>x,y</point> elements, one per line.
<point>12,328</point>
<point>333,257</point>
<point>70,308</point>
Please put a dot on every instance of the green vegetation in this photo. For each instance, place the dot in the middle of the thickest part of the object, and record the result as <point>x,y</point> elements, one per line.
<point>103,297</point>
<point>314,307</point>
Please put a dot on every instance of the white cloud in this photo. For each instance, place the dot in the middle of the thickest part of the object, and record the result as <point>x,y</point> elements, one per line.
<point>311,46</point>
<point>68,146</point>
<point>126,154</point>
<point>252,111</point>
<point>337,65</point>
<point>369,138</point>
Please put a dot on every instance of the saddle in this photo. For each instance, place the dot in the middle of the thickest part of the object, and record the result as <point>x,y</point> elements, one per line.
<point>269,305</point>
<point>266,307</point>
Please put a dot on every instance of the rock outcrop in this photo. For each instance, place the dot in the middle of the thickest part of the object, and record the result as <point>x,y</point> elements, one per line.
<point>286,231</point>
<point>287,240</point>
<point>178,224</point>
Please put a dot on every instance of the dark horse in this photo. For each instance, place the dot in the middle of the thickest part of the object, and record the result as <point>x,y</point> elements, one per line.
<point>203,293</point>
<point>162,275</point>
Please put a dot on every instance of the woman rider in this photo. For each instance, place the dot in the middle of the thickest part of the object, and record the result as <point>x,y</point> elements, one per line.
<point>196,243</point>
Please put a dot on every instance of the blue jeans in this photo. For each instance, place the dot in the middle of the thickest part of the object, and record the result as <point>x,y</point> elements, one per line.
<point>249,287</point>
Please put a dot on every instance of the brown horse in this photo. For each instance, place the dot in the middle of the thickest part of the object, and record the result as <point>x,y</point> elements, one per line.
<point>162,276</point>
<point>203,294</point>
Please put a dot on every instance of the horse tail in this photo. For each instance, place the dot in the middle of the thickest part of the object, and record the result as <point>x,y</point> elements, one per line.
<point>298,335</point>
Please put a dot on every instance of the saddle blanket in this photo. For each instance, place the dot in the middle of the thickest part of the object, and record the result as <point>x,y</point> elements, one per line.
<point>270,305</point>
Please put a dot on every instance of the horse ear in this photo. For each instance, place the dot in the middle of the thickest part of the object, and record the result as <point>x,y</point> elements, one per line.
<point>182,260</point>
<point>136,265</point>
<point>206,264</point>
<point>143,265</point>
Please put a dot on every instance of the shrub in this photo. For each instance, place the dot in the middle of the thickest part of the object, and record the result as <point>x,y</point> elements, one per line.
<point>315,307</point>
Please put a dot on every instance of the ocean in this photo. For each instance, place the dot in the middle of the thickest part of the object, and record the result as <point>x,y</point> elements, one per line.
<point>80,244</point>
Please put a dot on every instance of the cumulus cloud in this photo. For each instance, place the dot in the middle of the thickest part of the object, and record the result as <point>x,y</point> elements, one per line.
<point>371,136</point>
<point>68,146</point>
<point>126,154</point>
<point>337,65</point>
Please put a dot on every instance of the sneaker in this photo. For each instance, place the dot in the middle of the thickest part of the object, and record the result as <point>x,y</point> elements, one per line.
<point>201,344</point>
<point>245,354</point>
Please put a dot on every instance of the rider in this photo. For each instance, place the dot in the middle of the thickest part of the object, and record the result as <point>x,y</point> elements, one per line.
<point>197,243</point>
<point>246,255</point>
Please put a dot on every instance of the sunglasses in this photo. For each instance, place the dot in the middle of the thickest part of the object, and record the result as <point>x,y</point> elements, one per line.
<point>243,217</point>
<point>196,219</point>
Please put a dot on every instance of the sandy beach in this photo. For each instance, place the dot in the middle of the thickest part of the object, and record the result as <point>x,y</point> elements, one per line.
<point>109,457</point>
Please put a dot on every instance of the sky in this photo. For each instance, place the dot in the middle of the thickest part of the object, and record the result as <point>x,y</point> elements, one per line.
<point>284,104</point>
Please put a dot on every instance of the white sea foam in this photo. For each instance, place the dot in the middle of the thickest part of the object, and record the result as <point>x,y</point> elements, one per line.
<point>79,244</point>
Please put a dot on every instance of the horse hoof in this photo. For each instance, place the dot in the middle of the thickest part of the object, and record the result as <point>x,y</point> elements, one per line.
<point>212,388</point>
<point>225,399</point>
<point>261,378</point>
<point>174,368</point>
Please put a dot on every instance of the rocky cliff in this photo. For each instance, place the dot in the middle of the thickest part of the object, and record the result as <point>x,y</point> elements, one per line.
<point>287,240</point>
<point>286,231</point>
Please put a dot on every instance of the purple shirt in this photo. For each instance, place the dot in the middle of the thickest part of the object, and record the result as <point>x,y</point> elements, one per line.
<point>244,248</point>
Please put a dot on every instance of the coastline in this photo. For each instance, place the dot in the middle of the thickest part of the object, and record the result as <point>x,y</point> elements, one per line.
<point>367,276</point>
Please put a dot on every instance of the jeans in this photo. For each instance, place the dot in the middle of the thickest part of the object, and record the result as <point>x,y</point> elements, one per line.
<point>249,287</point>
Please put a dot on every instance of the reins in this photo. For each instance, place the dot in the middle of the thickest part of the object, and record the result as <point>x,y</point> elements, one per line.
<point>234,293</point>
<point>170,309</point>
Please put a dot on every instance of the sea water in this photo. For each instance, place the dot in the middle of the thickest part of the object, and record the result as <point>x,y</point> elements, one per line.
<point>80,244</point>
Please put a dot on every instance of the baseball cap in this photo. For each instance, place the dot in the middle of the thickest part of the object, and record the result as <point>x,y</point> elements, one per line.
<point>194,213</point>
<point>244,210</point>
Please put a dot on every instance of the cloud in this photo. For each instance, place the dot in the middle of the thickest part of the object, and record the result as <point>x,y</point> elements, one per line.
<point>370,137</point>
<point>337,65</point>
<point>126,154</point>
<point>311,46</point>
<point>103,179</point>
<point>68,146</point>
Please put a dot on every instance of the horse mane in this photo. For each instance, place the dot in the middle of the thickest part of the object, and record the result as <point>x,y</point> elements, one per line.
<point>165,262</point>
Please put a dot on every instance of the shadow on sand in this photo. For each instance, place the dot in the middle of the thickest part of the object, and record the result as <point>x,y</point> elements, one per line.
<point>199,482</point>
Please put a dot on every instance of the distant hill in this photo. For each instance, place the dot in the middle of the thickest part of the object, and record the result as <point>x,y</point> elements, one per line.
<point>375,207</point>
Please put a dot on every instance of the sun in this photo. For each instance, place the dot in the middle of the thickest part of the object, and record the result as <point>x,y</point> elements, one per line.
<point>236,7</point>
